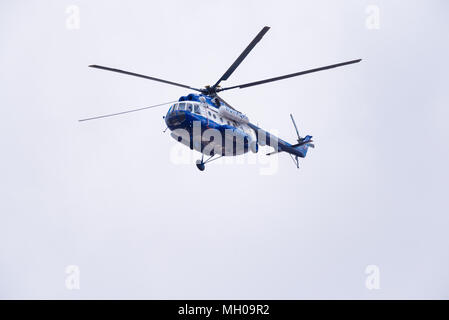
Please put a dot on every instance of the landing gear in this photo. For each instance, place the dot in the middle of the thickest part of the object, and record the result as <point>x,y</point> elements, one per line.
<point>201,164</point>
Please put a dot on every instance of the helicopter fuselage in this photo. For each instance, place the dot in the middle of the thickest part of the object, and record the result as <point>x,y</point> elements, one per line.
<point>210,126</point>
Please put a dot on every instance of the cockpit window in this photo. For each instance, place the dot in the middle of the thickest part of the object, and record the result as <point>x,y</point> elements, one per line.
<point>196,109</point>
<point>189,107</point>
<point>182,106</point>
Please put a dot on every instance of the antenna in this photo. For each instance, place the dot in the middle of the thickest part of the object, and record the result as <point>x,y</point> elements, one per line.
<point>128,111</point>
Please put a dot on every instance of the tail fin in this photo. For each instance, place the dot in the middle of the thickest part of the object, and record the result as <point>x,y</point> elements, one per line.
<point>304,145</point>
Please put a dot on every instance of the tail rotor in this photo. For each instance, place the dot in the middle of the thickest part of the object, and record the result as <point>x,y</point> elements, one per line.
<point>296,128</point>
<point>302,145</point>
<point>301,141</point>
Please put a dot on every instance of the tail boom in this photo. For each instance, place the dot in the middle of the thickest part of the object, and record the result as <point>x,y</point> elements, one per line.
<point>298,150</point>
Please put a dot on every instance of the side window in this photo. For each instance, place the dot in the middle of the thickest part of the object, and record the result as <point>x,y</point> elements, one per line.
<point>182,106</point>
<point>189,107</point>
<point>228,123</point>
<point>221,119</point>
<point>215,117</point>
<point>209,113</point>
<point>196,108</point>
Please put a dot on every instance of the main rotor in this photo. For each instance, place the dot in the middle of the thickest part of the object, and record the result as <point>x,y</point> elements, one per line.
<point>212,90</point>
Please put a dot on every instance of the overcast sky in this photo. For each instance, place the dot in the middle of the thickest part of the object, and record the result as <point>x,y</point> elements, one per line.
<point>112,198</point>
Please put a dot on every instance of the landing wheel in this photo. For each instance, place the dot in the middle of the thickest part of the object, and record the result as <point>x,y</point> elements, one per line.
<point>200,165</point>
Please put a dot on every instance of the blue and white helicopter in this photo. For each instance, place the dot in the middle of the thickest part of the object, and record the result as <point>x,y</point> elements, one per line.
<point>206,123</point>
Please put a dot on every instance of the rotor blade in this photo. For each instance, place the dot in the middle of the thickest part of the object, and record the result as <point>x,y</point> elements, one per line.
<point>296,128</point>
<point>241,86</point>
<point>143,76</point>
<point>123,112</point>
<point>242,56</point>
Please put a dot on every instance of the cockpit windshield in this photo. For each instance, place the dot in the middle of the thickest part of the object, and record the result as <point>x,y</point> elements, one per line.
<point>183,106</point>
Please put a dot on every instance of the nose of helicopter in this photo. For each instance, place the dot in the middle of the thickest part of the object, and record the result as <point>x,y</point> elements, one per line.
<point>174,119</point>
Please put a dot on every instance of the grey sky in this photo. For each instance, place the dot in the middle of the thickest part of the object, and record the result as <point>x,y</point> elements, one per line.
<point>105,195</point>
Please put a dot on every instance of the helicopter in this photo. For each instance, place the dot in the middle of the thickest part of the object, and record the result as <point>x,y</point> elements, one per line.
<point>206,123</point>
